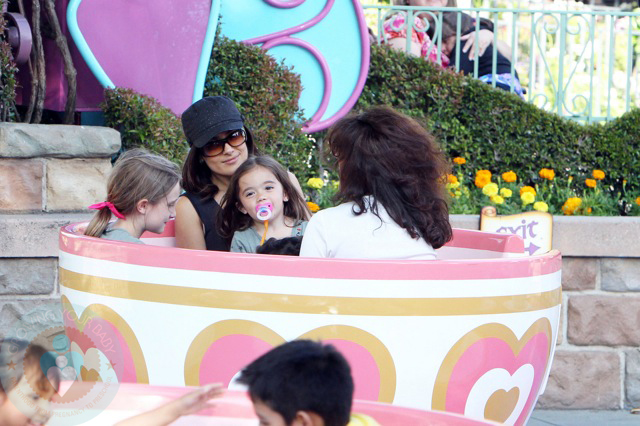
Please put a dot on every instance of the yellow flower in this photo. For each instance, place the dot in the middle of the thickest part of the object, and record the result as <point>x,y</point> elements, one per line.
<point>570,179</point>
<point>527,198</point>
<point>458,194</point>
<point>313,206</point>
<point>541,206</point>
<point>453,185</point>
<point>459,160</point>
<point>496,199</point>
<point>598,174</point>
<point>591,183</point>
<point>315,183</point>
<point>483,177</point>
<point>527,189</point>
<point>638,201</point>
<point>506,192</point>
<point>490,189</point>
<point>335,184</point>
<point>571,205</point>
<point>509,176</point>
<point>452,178</point>
<point>548,174</point>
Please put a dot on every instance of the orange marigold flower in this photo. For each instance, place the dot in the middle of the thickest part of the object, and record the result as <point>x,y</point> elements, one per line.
<point>459,160</point>
<point>313,206</point>
<point>527,189</point>
<point>482,180</point>
<point>509,176</point>
<point>638,201</point>
<point>598,174</point>
<point>591,183</point>
<point>548,174</point>
<point>571,205</point>
<point>483,173</point>
<point>452,178</point>
<point>589,210</point>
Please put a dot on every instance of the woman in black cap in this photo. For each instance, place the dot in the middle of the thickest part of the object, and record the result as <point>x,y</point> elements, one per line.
<point>220,143</point>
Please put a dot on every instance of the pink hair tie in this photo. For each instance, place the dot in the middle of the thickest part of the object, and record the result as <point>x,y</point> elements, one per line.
<point>110,206</point>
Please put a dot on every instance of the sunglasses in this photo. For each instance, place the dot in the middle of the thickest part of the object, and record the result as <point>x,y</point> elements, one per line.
<point>216,146</point>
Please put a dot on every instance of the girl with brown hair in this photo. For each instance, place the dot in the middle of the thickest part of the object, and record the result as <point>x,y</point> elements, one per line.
<point>261,203</point>
<point>142,192</point>
<point>392,190</point>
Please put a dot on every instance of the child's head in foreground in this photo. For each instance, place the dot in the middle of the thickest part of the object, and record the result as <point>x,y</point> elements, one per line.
<point>25,391</point>
<point>300,383</point>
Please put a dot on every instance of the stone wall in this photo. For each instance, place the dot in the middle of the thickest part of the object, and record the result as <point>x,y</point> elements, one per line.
<point>49,174</point>
<point>45,185</point>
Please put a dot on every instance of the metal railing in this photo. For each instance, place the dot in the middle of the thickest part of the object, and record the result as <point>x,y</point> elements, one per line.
<point>580,64</point>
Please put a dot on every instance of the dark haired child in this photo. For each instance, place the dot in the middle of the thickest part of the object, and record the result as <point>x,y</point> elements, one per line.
<point>391,188</point>
<point>25,391</point>
<point>300,383</point>
<point>285,246</point>
<point>261,203</point>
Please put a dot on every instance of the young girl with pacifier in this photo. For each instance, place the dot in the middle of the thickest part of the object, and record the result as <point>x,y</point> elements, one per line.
<point>261,202</point>
<point>142,192</point>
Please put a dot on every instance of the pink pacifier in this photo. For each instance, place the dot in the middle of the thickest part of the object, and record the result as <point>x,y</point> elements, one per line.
<point>264,211</point>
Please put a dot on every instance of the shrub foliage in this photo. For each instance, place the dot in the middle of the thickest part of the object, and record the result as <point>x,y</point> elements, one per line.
<point>143,122</point>
<point>266,93</point>
<point>495,130</point>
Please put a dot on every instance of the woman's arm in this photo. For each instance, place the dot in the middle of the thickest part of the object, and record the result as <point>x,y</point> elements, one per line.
<point>189,228</point>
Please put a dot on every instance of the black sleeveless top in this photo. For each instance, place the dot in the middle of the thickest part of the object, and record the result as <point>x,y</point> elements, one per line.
<point>208,210</point>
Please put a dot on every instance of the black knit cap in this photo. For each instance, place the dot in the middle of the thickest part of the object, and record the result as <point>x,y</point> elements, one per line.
<point>209,116</point>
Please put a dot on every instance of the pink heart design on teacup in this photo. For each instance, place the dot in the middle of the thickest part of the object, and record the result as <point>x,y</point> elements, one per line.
<point>221,350</point>
<point>491,374</point>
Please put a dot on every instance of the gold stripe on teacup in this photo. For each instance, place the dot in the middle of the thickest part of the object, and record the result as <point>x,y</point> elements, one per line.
<point>292,303</point>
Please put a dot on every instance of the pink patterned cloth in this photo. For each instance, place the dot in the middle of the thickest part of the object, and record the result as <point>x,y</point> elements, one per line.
<point>394,27</point>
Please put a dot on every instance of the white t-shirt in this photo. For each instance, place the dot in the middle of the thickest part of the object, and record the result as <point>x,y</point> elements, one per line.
<point>337,232</point>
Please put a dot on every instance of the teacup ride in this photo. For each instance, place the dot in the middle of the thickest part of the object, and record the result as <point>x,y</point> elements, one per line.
<point>471,333</point>
<point>235,408</point>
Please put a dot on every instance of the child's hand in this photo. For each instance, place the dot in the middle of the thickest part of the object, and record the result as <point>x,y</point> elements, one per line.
<point>198,400</point>
<point>485,38</point>
<point>188,404</point>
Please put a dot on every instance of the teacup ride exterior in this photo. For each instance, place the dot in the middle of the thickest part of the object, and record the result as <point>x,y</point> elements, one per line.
<point>471,333</point>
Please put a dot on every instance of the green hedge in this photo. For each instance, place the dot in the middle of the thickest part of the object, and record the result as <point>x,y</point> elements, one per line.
<point>143,122</point>
<point>267,93</point>
<point>496,130</point>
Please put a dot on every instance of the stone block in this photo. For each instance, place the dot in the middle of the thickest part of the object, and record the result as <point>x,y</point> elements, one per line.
<point>579,273</point>
<point>42,316</point>
<point>20,185</point>
<point>34,235</point>
<point>27,276</point>
<point>620,274</point>
<point>583,380</point>
<point>465,221</point>
<point>604,320</point>
<point>72,185</point>
<point>632,378</point>
<point>561,328</point>
<point>615,236</point>
<point>62,141</point>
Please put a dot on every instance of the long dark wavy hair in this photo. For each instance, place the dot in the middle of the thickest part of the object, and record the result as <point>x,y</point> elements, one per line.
<point>196,175</point>
<point>391,157</point>
<point>231,219</point>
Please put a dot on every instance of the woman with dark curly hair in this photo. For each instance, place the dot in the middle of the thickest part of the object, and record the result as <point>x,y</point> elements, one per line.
<point>391,188</point>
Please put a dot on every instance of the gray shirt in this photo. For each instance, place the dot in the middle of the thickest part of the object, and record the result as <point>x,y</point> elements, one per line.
<point>120,235</point>
<point>248,240</point>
